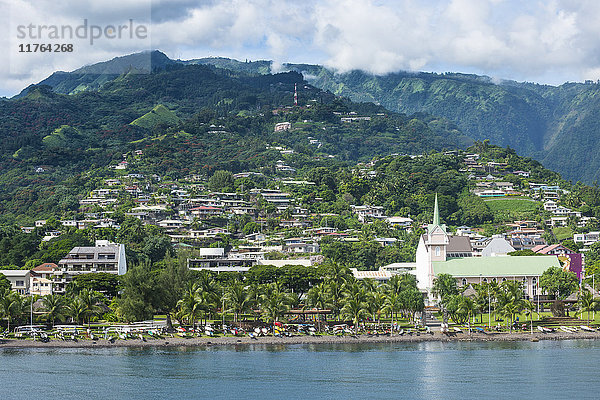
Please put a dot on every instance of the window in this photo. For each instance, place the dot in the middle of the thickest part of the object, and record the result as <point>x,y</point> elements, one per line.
<point>437,251</point>
<point>464,281</point>
<point>20,283</point>
<point>485,280</point>
<point>503,279</point>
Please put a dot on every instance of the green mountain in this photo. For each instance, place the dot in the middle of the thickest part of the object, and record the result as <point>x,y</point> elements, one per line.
<point>158,115</point>
<point>92,77</point>
<point>188,119</point>
<point>554,124</point>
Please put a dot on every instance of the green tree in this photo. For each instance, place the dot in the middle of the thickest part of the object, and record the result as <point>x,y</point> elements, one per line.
<point>192,303</point>
<point>274,302</point>
<point>4,283</point>
<point>558,282</point>
<point>413,301</point>
<point>221,181</point>
<point>77,310</point>
<point>393,304</point>
<point>91,302</point>
<point>445,286</point>
<point>55,306</point>
<point>171,282</point>
<point>103,282</point>
<point>355,309</point>
<point>140,294</point>
<point>238,299</point>
<point>586,302</point>
<point>11,307</point>
<point>376,304</point>
<point>510,299</point>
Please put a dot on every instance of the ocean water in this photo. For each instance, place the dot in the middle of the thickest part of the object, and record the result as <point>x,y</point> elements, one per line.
<point>434,370</point>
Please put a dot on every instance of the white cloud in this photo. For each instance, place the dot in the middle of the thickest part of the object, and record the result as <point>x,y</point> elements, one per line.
<point>548,41</point>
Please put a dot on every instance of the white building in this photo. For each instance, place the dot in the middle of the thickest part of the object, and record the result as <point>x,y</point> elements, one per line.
<point>440,253</point>
<point>18,278</point>
<point>103,257</point>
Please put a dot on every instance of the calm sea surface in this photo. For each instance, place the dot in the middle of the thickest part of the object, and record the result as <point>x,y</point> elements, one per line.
<point>544,370</point>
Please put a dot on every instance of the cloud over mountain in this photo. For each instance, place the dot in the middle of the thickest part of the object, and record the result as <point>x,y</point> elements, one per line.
<point>536,41</point>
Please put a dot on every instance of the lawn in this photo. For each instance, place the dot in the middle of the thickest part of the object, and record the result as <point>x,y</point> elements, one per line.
<point>512,207</point>
<point>563,232</point>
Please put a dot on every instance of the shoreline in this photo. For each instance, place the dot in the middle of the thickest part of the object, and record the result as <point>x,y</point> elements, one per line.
<point>297,340</point>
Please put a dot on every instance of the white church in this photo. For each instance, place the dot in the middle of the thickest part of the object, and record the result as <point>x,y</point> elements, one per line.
<point>441,253</point>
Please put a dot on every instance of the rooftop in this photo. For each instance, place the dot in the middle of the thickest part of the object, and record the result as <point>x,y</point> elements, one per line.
<point>496,266</point>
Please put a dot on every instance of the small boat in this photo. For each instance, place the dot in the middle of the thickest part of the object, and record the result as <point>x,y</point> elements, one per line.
<point>565,329</point>
<point>457,329</point>
<point>587,328</point>
<point>541,329</point>
<point>264,331</point>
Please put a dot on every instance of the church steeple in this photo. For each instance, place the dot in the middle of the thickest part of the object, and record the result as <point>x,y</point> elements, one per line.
<point>436,218</point>
<point>436,212</point>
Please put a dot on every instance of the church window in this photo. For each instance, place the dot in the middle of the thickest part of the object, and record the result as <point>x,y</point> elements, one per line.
<point>464,281</point>
<point>437,250</point>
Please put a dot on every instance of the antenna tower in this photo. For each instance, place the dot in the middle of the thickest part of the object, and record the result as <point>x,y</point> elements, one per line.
<point>295,94</point>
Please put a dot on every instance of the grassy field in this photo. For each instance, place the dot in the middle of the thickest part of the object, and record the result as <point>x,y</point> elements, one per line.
<point>563,232</point>
<point>511,207</point>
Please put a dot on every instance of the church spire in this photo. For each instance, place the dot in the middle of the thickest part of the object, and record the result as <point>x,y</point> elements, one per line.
<point>436,212</point>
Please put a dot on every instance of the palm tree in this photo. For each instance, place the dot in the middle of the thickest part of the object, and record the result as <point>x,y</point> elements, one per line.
<point>586,302</point>
<point>90,300</point>
<point>354,309</point>
<point>335,295</point>
<point>316,297</point>
<point>482,299</point>
<point>77,310</point>
<point>238,298</point>
<point>400,282</point>
<point>274,302</point>
<point>192,304</point>
<point>210,291</point>
<point>444,288</point>
<point>11,306</point>
<point>510,300</point>
<point>375,304</point>
<point>529,306</point>
<point>55,307</point>
<point>412,301</point>
<point>466,306</point>
<point>393,304</point>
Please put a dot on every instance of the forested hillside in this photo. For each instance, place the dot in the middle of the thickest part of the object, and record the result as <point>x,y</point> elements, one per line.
<point>554,124</point>
<point>190,119</point>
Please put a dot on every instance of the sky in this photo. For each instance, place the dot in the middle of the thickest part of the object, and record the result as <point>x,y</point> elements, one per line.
<point>550,42</point>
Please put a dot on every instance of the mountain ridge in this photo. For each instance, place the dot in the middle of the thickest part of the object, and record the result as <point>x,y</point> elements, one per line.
<point>554,124</point>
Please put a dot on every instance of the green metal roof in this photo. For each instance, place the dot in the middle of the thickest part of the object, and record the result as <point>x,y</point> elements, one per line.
<point>496,266</point>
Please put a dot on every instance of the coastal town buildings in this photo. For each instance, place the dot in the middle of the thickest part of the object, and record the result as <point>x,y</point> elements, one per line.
<point>439,252</point>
